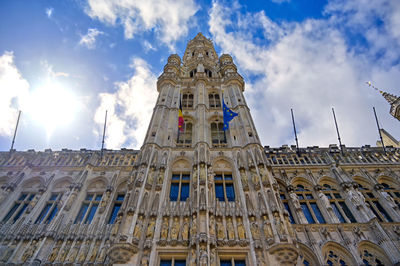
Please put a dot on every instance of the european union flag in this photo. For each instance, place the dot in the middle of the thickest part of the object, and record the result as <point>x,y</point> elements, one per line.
<point>228,115</point>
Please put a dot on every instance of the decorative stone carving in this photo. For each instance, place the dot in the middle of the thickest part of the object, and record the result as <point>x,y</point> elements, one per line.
<point>74,252</point>
<point>254,229</point>
<point>230,229</point>
<point>267,228</point>
<point>324,200</point>
<point>295,200</point>
<point>240,228</point>
<point>150,228</point>
<point>243,178</point>
<point>175,228</point>
<point>53,255</point>
<point>29,251</point>
<point>220,229</point>
<point>138,228</point>
<point>104,201</point>
<point>185,229</point>
<point>164,228</point>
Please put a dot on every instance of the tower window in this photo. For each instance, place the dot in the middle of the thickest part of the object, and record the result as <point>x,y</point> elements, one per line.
<point>185,137</point>
<point>19,207</point>
<point>224,190</point>
<point>187,100</point>
<point>208,73</point>
<point>214,100</point>
<point>179,187</point>
<point>117,206</point>
<point>88,208</point>
<point>50,209</point>
<point>218,136</point>
<point>193,72</point>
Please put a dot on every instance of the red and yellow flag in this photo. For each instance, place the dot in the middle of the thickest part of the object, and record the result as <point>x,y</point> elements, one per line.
<point>180,117</point>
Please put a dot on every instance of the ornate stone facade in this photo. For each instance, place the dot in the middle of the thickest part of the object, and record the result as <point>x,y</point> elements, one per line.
<point>202,196</point>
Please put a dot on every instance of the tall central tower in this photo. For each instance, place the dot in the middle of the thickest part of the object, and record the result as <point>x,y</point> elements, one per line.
<point>202,195</point>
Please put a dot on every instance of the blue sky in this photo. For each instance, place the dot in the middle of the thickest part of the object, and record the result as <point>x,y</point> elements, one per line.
<point>63,63</point>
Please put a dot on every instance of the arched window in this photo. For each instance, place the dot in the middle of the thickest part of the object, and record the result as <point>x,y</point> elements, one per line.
<point>393,192</point>
<point>309,205</point>
<point>50,209</point>
<point>374,204</point>
<point>372,254</point>
<point>179,187</point>
<point>192,73</point>
<point>214,100</point>
<point>338,204</point>
<point>185,136</point>
<point>218,136</point>
<point>88,208</point>
<point>187,100</point>
<point>224,190</point>
<point>335,254</point>
<point>19,207</point>
<point>208,72</point>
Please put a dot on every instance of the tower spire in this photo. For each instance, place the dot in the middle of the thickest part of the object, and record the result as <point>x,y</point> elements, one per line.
<point>393,100</point>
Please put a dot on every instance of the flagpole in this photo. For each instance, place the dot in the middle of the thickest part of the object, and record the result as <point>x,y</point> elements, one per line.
<point>295,133</point>
<point>379,130</point>
<point>337,131</point>
<point>15,131</point>
<point>102,142</point>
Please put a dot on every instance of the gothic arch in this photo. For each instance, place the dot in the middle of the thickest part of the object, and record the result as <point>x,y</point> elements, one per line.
<point>306,254</point>
<point>222,163</point>
<point>33,183</point>
<point>372,254</point>
<point>62,183</point>
<point>181,163</point>
<point>302,181</point>
<point>122,184</point>
<point>337,254</point>
<point>388,180</point>
<point>98,183</point>
<point>363,182</point>
<point>329,181</point>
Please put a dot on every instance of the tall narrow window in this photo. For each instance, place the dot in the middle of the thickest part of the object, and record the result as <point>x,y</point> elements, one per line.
<point>50,209</point>
<point>374,204</point>
<point>173,262</point>
<point>338,204</point>
<point>88,208</point>
<point>285,202</point>
<point>218,136</point>
<point>214,100</point>
<point>19,207</point>
<point>394,193</point>
<point>187,100</point>
<point>117,206</point>
<point>179,187</point>
<point>224,190</point>
<point>185,136</point>
<point>208,72</point>
<point>309,205</point>
<point>233,262</point>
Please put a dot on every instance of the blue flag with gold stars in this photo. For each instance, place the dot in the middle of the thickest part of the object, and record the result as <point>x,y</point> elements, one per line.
<point>228,115</point>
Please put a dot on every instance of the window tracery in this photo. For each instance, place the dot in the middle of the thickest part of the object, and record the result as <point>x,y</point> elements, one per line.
<point>214,100</point>
<point>338,204</point>
<point>309,205</point>
<point>373,203</point>
<point>180,189</point>
<point>224,189</point>
<point>218,136</point>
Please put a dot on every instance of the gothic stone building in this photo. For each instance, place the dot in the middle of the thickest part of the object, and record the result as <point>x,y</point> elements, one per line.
<point>204,196</point>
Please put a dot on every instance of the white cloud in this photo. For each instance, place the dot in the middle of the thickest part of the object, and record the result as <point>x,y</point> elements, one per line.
<point>308,66</point>
<point>13,92</point>
<point>89,40</point>
<point>148,47</point>
<point>129,108</point>
<point>49,12</point>
<point>168,18</point>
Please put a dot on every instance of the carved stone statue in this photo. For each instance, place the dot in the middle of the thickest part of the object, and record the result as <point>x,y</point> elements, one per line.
<point>278,224</point>
<point>150,228</point>
<point>324,200</point>
<point>243,178</point>
<point>254,177</point>
<point>164,228</point>
<point>94,252</point>
<point>185,229</point>
<point>160,179</point>
<point>220,229</point>
<point>70,201</point>
<point>115,228</point>
<point>193,257</point>
<point>267,228</point>
<point>202,174</point>
<point>10,250</point>
<point>175,228</point>
<point>53,255</point>
<point>240,228</point>
<point>64,251</point>
<point>103,252</point>
<point>29,251</point>
<point>212,225</point>
<point>264,175</point>
<point>104,201</point>
<point>295,200</point>
<point>83,252</point>
<point>230,229</point>
<point>74,252</point>
<point>254,229</point>
<point>138,228</point>
<point>193,228</point>
<point>289,227</point>
<point>4,194</point>
<point>390,201</point>
<point>33,203</point>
